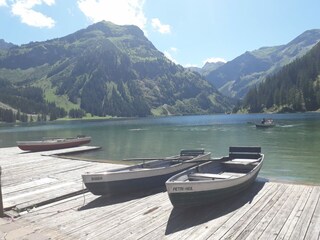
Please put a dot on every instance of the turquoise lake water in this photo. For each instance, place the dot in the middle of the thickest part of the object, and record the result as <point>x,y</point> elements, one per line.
<point>292,148</point>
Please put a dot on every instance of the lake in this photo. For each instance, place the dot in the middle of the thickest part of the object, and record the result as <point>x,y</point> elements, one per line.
<point>292,148</point>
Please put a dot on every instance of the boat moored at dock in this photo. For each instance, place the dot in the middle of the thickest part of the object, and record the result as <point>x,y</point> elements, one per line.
<point>216,180</point>
<point>53,143</point>
<point>144,176</point>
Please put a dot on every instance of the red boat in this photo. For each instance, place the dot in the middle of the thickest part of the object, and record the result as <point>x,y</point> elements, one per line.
<point>53,143</point>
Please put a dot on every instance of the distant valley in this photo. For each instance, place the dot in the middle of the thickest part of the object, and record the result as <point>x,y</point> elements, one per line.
<point>236,77</point>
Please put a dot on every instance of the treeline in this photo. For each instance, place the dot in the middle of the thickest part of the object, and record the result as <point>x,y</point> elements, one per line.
<point>7,115</point>
<point>10,116</point>
<point>296,87</point>
<point>76,113</point>
<point>29,99</point>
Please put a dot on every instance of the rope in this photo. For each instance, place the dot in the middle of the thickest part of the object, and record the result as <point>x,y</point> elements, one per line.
<point>84,196</point>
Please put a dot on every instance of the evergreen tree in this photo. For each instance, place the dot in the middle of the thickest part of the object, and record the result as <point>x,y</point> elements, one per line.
<point>296,86</point>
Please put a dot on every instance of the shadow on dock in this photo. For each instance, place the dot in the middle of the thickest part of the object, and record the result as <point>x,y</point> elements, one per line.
<point>184,218</point>
<point>103,201</point>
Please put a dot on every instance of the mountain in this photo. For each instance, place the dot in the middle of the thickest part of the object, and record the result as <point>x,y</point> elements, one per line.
<point>236,77</point>
<point>207,68</point>
<point>4,45</point>
<point>296,87</point>
<point>104,69</point>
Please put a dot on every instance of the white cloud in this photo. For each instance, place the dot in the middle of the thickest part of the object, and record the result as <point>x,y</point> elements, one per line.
<point>158,26</point>
<point>173,49</point>
<point>214,60</point>
<point>121,12</point>
<point>169,56</point>
<point>3,3</point>
<point>170,52</point>
<point>49,2</point>
<point>190,65</point>
<point>24,9</point>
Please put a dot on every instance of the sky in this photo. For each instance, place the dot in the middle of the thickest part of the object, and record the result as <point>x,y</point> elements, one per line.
<point>188,32</point>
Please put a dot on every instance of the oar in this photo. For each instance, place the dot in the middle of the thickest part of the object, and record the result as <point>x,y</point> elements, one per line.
<point>169,159</point>
<point>142,159</point>
<point>204,161</point>
<point>182,158</point>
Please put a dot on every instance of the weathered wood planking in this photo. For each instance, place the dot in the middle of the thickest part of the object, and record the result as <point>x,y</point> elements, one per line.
<point>307,216</point>
<point>267,210</point>
<point>31,178</point>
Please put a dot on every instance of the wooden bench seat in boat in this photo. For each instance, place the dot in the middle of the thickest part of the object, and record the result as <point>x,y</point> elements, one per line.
<point>244,152</point>
<point>233,174</point>
<point>242,161</point>
<point>206,176</point>
<point>192,152</point>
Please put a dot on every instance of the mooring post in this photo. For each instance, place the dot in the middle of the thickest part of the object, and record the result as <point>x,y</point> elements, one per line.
<point>1,202</point>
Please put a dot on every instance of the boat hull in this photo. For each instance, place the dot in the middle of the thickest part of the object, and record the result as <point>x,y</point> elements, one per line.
<point>208,196</point>
<point>129,185</point>
<point>216,180</point>
<point>134,178</point>
<point>265,125</point>
<point>46,145</point>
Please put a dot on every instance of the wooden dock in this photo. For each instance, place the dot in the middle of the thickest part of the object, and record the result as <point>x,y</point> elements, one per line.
<point>46,195</point>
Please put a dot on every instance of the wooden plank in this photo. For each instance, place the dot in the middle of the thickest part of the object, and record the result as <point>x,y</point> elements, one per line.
<point>275,226</point>
<point>201,222</point>
<point>230,227</point>
<point>300,230</point>
<point>251,220</point>
<point>110,208</point>
<point>270,215</point>
<point>239,204</point>
<point>25,186</point>
<point>268,211</point>
<point>191,152</point>
<point>34,172</point>
<point>245,149</point>
<point>112,220</point>
<point>33,178</point>
<point>25,179</point>
<point>87,220</point>
<point>143,219</point>
<point>206,176</point>
<point>44,212</point>
<point>291,221</point>
<point>70,150</point>
<point>154,222</point>
<point>314,229</point>
<point>26,230</point>
<point>58,213</point>
<point>234,174</point>
<point>241,161</point>
<point>97,225</point>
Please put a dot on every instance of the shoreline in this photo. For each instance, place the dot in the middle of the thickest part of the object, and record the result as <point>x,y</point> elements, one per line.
<point>153,116</point>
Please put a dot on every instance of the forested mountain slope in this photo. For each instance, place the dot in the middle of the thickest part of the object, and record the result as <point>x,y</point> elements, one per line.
<point>104,69</point>
<point>296,87</point>
<point>237,76</point>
